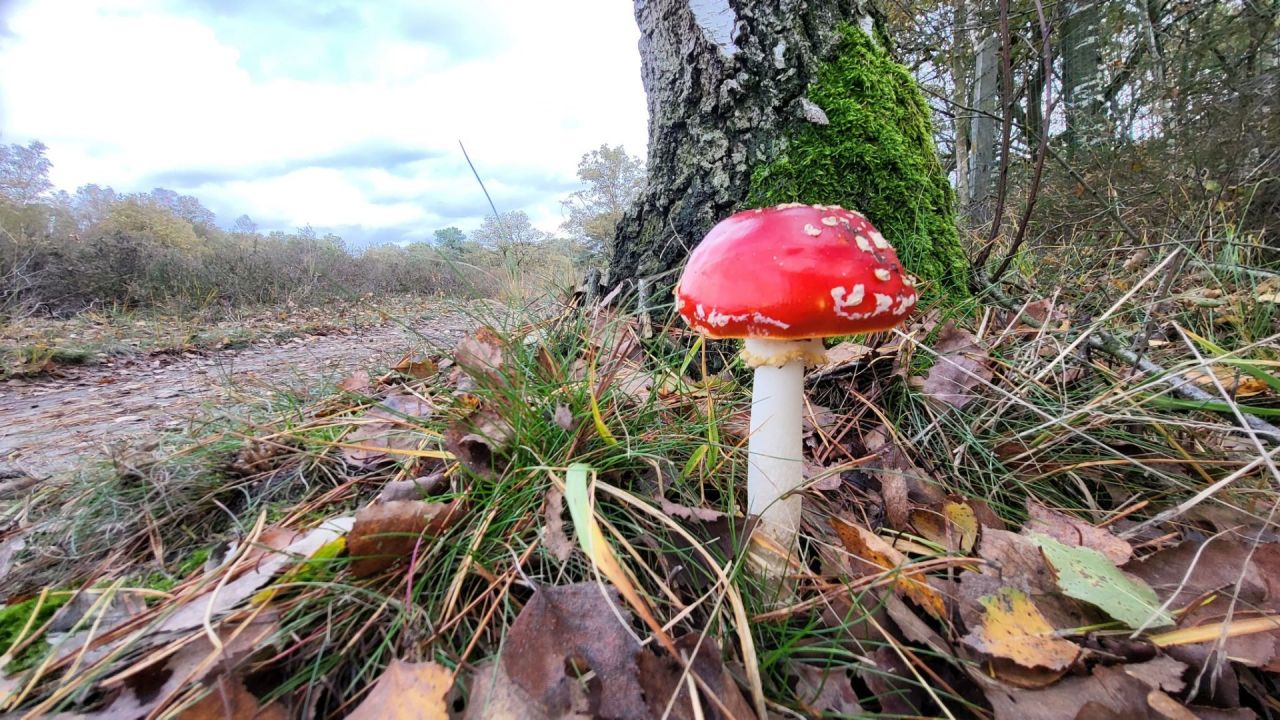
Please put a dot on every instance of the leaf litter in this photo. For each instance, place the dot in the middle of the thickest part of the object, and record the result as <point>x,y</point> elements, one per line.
<point>939,603</point>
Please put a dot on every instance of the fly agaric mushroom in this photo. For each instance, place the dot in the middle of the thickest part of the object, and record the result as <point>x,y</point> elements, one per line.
<point>783,278</point>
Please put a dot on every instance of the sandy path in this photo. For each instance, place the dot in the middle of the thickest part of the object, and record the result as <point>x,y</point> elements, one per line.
<point>50,425</point>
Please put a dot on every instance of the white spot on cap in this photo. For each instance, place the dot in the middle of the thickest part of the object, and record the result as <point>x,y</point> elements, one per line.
<point>879,240</point>
<point>830,221</point>
<point>882,275</point>
<point>864,245</point>
<point>883,303</point>
<point>788,206</point>
<point>904,304</point>
<point>909,281</point>
<point>811,230</point>
<point>760,319</point>
<point>851,298</point>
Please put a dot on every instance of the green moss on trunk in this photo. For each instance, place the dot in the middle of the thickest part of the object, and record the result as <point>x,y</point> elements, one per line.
<point>876,156</point>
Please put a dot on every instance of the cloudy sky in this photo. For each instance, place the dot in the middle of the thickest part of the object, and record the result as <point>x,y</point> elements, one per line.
<point>343,114</point>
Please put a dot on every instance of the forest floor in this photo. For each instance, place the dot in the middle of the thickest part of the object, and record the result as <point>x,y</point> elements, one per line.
<point>171,375</point>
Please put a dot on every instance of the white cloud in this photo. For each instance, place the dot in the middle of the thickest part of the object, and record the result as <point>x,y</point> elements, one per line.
<point>125,91</point>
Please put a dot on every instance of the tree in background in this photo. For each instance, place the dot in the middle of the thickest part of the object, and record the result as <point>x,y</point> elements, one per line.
<point>24,172</point>
<point>512,235</point>
<point>450,239</point>
<point>614,180</point>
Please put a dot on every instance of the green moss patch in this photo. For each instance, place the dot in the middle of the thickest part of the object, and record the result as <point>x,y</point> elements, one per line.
<point>16,618</point>
<point>877,156</point>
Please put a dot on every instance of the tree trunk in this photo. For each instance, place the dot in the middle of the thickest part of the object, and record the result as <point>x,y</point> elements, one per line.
<point>724,79</point>
<point>1082,78</point>
<point>983,167</point>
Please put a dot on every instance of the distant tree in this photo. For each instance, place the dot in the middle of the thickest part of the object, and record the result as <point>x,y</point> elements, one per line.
<point>244,225</point>
<point>614,180</point>
<point>136,220</point>
<point>186,207</point>
<point>512,234</point>
<point>92,204</point>
<point>24,172</point>
<point>450,238</point>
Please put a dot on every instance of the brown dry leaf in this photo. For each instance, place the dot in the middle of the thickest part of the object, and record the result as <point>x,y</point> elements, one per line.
<point>894,685</point>
<point>1235,381</point>
<point>1110,692</point>
<point>1013,629</point>
<point>960,366</point>
<point>1214,582</point>
<point>407,691</point>
<point>892,467</point>
<point>385,428</point>
<point>555,539</point>
<point>575,622</point>
<point>663,679</point>
<point>563,418</point>
<point>1073,531</point>
<point>387,533</point>
<point>842,355</point>
<point>230,700</point>
<point>414,488</point>
<point>417,368</point>
<point>164,678</point>
<point>685,512</point>
<point>877,556</point>
<point>494,696</point>
<point>826,691</point>
<point>954,526</point>
<point>478,440</point>
<point>356,382</point>
<point>481,355</point>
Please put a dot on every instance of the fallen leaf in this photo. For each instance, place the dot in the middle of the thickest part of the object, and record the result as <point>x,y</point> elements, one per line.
<point>874,555</point>
<point>685,512</point>
<point>826,690</point>
<point>414,488</point>
<point>1109,692</point>
<point>494,696</point>
<point>953,526</point>
<point>479,440</point>
<point>1013,629</point>
<point>893,685</point>
<point>407,691</point>
<point>356,382</point>
<point>1086,574</point>
<point>580,621</point>
<point>1073,531</point>
<point>391,426</point>
<point>156,681</point>
<point>555,539</point>
<point>276,549</point>
<point>563,418</point>
<point>1012,560</point>
<point>415,368</point>
<point>961,365</point>
<point>385,534</point>
<point>481,356</point>
<point>229,699</point>
<point>666,684</point>
<point>1235,381</point>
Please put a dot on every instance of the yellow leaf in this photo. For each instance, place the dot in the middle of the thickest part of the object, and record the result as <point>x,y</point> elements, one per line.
<point>873,550</point>
<point>1012,628</point>
<point>408,690</point>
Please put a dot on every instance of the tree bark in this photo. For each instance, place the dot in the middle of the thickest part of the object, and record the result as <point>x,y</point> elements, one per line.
<point>723,79</point>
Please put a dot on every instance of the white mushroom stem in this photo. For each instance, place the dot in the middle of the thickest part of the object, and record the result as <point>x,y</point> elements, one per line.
<point>774,450</point>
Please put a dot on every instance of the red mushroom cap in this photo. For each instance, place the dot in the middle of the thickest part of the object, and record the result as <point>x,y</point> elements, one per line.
<point>794,271</point>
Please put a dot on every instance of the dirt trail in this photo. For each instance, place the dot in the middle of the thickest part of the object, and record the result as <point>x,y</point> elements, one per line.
<point>51,425</point>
